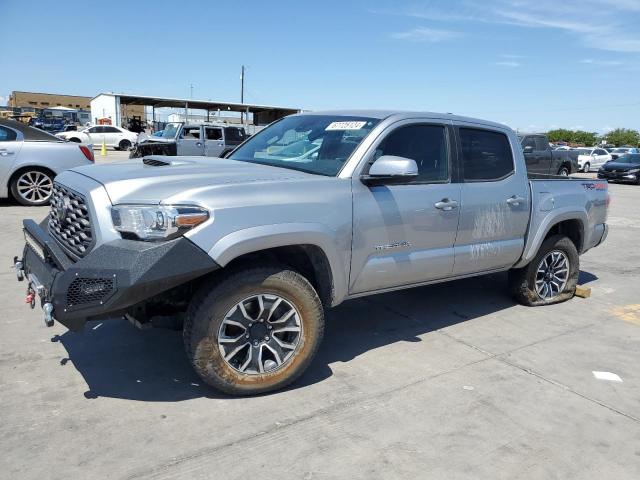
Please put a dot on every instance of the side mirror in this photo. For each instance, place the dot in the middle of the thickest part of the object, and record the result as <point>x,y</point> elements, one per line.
<point>389,169</point>
<point>528,149</point>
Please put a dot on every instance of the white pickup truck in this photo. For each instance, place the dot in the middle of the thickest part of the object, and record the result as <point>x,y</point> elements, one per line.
<point>316,209</point>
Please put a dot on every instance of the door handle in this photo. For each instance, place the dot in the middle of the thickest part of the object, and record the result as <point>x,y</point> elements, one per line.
<point>4,153</point>
<point>198,144</point>
<point>446,204</point>
<point>515,200</point>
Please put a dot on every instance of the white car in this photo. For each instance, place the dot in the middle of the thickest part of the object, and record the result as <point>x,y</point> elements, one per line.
<point>116,137</point>
<point>31,158</point>
<point>590,158</point>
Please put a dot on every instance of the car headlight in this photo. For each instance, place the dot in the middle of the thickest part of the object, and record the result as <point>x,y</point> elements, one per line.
<point>156,222</point>
<point>634,170</point>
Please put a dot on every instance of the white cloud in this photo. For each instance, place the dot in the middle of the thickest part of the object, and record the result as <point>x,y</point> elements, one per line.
<point>601,63</point>
<point>425,34</point>
<point>512,56</point>
<point>510,64</point>
<point>599,24</point>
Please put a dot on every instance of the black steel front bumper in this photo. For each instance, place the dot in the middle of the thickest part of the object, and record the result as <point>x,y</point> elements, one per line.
<point>110,279</point>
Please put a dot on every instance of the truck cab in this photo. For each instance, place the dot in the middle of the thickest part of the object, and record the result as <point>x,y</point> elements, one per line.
<point>540,158</point>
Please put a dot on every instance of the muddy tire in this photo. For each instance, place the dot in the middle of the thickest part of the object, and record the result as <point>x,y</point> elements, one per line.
<point>544,280</point>
<point>254,330</point>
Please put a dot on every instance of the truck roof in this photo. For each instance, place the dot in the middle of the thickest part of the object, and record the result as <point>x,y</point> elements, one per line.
<point>401,115</point>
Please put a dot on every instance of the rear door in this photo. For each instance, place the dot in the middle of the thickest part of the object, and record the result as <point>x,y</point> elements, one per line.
<point>96,134</point>
<point>543,151</point>
<point>190,142</point>
<point>112,135</point>
<point>531,156</point>
<point>214,141</point>
<point>495,201</point>
<point>404,234</point>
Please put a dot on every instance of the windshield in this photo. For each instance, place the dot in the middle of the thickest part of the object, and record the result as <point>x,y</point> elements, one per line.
<point>318,144</point>
<point>629,158</point>
<point>170,130</point>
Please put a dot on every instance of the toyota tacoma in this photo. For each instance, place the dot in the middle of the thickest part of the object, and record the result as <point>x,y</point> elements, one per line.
<point>316,209</point>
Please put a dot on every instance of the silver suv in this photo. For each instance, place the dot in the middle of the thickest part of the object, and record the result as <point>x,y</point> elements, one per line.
<point>314,210</point>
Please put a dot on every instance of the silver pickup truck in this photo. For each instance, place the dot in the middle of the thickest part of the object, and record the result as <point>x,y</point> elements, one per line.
<point>316,209</point>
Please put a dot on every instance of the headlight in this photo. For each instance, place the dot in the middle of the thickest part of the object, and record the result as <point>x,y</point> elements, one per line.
<point>634,170</point>
<point>156,222</point>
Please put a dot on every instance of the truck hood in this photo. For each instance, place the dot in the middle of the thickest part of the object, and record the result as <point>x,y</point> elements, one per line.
<point>136,182</point>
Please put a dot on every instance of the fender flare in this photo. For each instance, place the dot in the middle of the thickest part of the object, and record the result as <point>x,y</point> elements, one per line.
<point>546,224</point>
<point>254,239</point>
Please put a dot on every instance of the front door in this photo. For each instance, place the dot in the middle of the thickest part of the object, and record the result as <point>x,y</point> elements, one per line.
<point>190,142</point>
<point>495,203</point>
<point>404,234</point>
<point>214,142</point>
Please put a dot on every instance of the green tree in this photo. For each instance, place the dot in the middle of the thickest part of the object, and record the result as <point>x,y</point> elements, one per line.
<point>588,139</point>
<point>623,136</point>
<point>560,135</point>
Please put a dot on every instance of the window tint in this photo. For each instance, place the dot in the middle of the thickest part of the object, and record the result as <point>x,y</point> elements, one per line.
<point>601,152</point>
<point>426,144</point>
<point>7,135</point>
<point>541,143</point>
<point>111,130</point>
<point>234,134</point>
<point>96,130</point>
<point>486,155</point>
<point>191,132</point>
<point>529,142</point>
<point>213,133</point>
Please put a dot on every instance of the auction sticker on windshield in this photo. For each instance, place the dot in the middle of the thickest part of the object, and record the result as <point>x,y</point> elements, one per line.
<point>345,125</point>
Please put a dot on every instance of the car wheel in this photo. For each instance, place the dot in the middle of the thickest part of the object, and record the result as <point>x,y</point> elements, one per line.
<point>253,331</point>
<point>32,187</point>
<point>551,277</point>
<point>586,168</point>
<point>124,145</point>
<point>563,172</point>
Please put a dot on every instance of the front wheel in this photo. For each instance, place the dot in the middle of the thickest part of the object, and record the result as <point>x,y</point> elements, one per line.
<point>253,331</point>
<point>586,168</point>
<point>551,277</point>
<point>564,171</point>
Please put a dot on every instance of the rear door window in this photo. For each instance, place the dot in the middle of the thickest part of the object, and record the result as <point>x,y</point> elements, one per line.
<point>213,133</point>
<point>7,135</point>
<point>486,155</point>
<point>191,132</point>
<point>541,144</point>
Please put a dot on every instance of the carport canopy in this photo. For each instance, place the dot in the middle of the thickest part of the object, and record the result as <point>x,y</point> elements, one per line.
<point>262,114</point>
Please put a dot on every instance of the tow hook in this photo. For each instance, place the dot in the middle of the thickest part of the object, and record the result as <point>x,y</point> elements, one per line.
<point>17,264</point>
<point>48,314</point>
<point>30,299</point>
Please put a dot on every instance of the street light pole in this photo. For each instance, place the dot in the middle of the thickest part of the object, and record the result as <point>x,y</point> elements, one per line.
<point>242,92</point>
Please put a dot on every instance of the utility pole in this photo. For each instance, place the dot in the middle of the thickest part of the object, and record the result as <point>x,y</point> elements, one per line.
<point>191,86</point>
<point>242,92</point>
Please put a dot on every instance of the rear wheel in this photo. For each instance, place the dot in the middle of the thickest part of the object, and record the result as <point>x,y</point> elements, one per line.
<point>551,277</point>
<point>32,187</point>
<point>254,331</point>
<point>587,167</point>
<point>124,145</point>
<point>564,171</point>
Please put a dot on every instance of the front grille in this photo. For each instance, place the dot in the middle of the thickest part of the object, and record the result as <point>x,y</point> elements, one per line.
<point>84,291</point>
<point>69,221</point>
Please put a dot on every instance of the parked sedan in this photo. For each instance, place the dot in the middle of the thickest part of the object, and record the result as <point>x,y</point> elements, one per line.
<point>620,151</point>
<point>623,169</point>
<point>116,137</point>
<point>589,158</point>
<point>31,158</point>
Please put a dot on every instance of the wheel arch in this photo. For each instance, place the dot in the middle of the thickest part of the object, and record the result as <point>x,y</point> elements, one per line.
<point>569,223</point>
<point>309,250</point>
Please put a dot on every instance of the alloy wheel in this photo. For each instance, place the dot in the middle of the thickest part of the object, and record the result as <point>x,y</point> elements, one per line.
<point>260,334</point>
<point>552,275</point>
<point>35,187</point>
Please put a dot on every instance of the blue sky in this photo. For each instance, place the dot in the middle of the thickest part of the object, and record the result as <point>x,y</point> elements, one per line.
<point>532,64</point>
